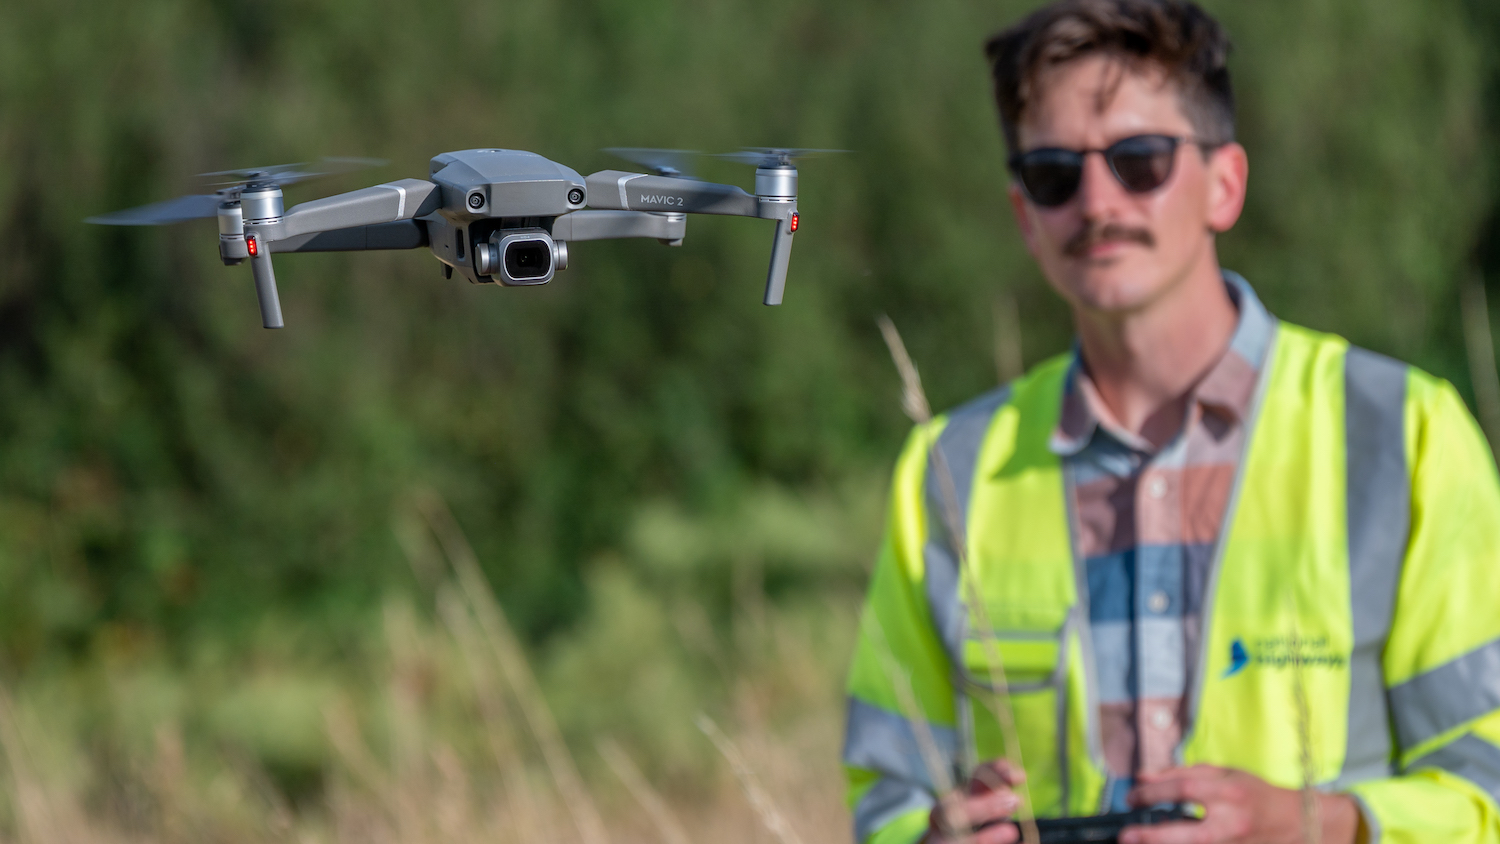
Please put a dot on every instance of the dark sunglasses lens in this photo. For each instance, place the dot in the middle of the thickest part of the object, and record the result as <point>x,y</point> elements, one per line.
<point>1050,177</point>
<point>1142,164</point>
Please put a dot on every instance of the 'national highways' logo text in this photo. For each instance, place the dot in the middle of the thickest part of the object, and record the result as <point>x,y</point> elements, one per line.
<point>1282,652</point>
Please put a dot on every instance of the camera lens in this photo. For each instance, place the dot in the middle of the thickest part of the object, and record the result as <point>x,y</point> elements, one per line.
<point>528,259</point>
<point>575,196</point>
<point>476,201</point>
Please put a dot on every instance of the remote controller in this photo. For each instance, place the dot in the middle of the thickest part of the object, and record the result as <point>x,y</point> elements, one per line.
<point>1103,828</point>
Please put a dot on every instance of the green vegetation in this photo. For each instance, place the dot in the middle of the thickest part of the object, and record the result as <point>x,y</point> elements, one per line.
<point>206,529</point>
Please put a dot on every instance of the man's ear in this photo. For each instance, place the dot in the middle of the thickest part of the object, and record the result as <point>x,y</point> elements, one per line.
<point>1023,215</point>
<point>1228,177</point>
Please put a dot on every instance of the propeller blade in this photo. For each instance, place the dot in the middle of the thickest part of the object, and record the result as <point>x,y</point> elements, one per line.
<point>252,174</point>
<point>774,156</point>
<point>662,162</point>
<point>176,210</point>
<point>290,174</point>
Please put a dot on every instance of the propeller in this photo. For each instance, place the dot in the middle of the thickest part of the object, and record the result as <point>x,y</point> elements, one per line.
<point>199,206</point>
<point>290,174</point>
<point>161,213</point>
<point>774,156</point>
<point>662,162</point>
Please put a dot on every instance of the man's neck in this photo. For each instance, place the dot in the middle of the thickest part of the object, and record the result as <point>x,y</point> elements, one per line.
<point>1145,363</point>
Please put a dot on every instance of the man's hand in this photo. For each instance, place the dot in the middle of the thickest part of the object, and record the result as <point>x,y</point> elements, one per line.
<point>1239,808</point>
<point>987,799</point>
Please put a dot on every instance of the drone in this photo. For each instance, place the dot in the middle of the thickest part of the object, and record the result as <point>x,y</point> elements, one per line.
<point>494,216</point>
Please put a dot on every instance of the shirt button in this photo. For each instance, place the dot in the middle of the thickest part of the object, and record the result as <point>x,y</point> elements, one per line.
<point>1158,602</point>
<point>1157,487</point>
<point>1161,719</point>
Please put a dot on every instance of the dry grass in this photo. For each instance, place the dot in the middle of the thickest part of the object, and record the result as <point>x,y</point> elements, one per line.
<point>397,774</point>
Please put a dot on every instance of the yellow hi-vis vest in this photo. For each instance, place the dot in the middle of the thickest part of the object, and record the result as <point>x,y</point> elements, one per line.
<point>1360,554</point>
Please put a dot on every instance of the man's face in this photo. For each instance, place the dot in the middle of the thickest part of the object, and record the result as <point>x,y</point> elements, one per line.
<point>1107,249</point>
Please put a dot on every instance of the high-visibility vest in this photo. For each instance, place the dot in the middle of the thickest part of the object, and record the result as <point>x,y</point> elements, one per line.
<point>1354,599</point>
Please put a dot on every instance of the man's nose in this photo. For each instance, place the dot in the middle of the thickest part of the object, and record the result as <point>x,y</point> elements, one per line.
<point>1099,192</point>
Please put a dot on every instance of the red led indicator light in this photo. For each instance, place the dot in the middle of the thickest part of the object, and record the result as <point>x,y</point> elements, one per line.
<point>252,246</point>
<point>792,226</point>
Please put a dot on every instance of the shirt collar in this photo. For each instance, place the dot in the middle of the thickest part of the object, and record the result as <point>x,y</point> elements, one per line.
<point>1227,389</point>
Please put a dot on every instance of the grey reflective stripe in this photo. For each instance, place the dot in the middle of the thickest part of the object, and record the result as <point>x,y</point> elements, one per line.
<point>958,446</point>
<point>879,740</point>
<point>1378,490</point>
<point>968,748</point>
<point>1454,693</point>
<point>1470,757</point>
<point>944,598</point>
<point>887,800</point>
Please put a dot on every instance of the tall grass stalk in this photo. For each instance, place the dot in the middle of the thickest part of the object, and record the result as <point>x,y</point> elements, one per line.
<point>493,711</point>
<point>515,669</point>
<point>1009,364</point>
<point>906,699</point>
<point>341,725</point>
<point>1312,821</point>
<point>919,410</point>
<point>661,815</point>
<point>408,739</point>
<point>940,774</point>
<point>759,799</point>
<point>37,810</point>
<point>1479,342</point>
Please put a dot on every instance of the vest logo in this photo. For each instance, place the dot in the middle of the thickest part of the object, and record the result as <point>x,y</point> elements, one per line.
<point>1282,652</point>
<point>1238,657</point>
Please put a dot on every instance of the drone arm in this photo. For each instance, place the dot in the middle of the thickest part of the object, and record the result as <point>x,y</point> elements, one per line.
<point>616,189</point>
<point>361,209</point>
<point>401,234</point>
<point>622,191</point>
<point>390,202</point>
<point>606,225</point>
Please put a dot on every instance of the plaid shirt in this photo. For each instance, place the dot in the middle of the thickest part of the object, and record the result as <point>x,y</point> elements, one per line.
<point>1146,522</point>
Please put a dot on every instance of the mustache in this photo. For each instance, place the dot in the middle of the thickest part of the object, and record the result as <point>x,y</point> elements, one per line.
<point>1093,234</point>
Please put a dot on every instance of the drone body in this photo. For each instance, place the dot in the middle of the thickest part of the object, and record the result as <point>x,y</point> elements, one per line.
<point>491,215</point>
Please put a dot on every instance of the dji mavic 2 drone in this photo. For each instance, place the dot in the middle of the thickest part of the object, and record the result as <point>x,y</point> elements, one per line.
<point>493,215</point>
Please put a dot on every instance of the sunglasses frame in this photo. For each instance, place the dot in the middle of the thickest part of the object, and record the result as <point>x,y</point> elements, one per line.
<point>1018,160</point>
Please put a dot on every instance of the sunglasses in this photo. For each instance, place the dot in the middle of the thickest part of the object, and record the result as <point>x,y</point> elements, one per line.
<point>1050,176</point>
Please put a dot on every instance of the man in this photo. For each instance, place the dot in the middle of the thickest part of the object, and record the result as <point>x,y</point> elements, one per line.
<point>1217,556</point>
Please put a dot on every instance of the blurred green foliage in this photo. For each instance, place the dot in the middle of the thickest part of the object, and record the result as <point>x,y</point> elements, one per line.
<point>633,444</point>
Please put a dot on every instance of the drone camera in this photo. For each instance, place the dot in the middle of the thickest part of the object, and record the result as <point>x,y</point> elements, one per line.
<point>527,260</point>
<point>476,200</point>
<point>575,196</point>
<point>521,257</point>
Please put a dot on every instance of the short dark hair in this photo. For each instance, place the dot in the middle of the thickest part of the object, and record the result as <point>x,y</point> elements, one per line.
<point>1175,35</point>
